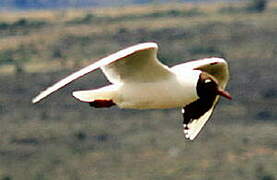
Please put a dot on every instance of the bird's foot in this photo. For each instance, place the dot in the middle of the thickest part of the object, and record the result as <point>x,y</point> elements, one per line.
<point>102,103</point>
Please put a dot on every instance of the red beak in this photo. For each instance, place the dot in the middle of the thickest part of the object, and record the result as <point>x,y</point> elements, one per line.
<point>224,94</point>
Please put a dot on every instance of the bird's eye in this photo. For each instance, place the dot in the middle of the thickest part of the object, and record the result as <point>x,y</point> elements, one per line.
<point>207,81</point>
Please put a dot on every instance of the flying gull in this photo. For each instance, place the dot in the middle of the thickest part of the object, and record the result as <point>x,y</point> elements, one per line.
<point>140,81</point>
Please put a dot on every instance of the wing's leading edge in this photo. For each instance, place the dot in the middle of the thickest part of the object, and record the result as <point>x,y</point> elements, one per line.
<point>217,67</point>
<point>141,66</point>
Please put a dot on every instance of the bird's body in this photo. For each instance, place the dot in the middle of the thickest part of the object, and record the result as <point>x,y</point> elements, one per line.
<point>160,94</point>
<point>140,81</point>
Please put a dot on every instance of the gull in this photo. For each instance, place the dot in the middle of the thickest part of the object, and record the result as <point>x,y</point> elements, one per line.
<point>140,81</point>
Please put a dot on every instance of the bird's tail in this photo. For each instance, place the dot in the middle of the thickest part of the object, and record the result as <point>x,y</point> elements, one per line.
<point>105,93</point>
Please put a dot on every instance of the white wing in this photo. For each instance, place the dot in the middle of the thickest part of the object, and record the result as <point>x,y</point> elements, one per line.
<point>141,65</point>
<point>215,66</point>
<point>218,68</point>
<point>195,126</point>
<point>137,63</point>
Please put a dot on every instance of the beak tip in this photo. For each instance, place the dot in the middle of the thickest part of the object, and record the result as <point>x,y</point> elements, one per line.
<point>225,94</point>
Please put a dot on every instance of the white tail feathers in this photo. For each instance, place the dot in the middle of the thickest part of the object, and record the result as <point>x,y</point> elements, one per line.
<point>105,93</point>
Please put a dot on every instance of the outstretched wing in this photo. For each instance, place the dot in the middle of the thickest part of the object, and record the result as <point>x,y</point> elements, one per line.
<point>192,129</point>
<point>199,112</point>
<point>136,63</point>
<point>141,65</point>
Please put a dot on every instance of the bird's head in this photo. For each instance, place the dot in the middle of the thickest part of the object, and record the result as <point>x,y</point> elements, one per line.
<point>207,86</point>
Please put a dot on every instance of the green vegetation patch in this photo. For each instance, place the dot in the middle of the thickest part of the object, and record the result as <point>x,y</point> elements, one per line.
<point>92,18</point>
<point>22,23</point>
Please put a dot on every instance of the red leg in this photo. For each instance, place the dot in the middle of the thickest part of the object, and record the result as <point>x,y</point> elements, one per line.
<point>101,103</point>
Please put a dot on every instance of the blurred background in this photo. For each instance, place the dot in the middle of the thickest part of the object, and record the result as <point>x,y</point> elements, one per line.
<point>42,41</point>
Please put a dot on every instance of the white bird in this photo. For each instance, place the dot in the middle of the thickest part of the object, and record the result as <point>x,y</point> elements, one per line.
<point>140,81</point>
